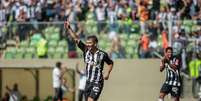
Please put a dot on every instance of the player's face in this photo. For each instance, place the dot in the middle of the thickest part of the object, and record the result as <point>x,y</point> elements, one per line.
<point>90,44</point>
<point>169,53</point>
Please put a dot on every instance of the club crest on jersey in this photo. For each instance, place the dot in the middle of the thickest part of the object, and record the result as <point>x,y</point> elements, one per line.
<point>96,89</point>
<point>175,89</point>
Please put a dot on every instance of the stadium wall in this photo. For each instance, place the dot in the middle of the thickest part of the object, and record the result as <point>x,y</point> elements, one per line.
<point>130,80</point>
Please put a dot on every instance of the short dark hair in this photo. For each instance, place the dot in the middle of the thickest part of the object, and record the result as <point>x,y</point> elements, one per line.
<point>58,64</point>
<point>93,37</point>
<point>168,48</point>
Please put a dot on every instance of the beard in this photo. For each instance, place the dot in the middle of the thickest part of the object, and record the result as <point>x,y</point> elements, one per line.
<point>89,48</point>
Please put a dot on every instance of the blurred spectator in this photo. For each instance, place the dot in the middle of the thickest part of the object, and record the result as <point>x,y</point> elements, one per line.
<point>2,14</point>
<point>34,13</point>
<point>194,68</point>
<point>153,46</point>
<point>42,48</point>
<point>21,18</point>
<point>153,30</point>
<point>57,76</point>
<point>100,12</point>
<point>164,39</point>
<point>78,9</point>
<point>15,94</point>
<point>173,16</point>
<point>162,17</point>
<point>62,17</point>
<point>143,15</point>
<point>7,5</point>
<point>117,50</point>
<point>155,7</point>
<point>144,46</point>
<point>112,17</point>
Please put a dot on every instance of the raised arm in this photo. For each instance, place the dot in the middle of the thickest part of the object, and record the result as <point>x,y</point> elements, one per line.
<point>71,32</point>
<point>75,36</point>
<point>162,65</point>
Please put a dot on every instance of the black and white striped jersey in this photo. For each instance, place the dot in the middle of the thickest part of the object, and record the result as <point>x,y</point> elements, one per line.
<point>173,76</point>
<point>94,63</point>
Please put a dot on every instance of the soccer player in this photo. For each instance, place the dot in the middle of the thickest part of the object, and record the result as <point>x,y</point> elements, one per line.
<point>172,83</point>
<point>94,59</point>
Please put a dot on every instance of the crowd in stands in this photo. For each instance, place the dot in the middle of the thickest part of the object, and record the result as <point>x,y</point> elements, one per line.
<point>152,20</point>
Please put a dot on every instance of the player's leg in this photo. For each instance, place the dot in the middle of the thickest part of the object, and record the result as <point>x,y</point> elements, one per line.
<point>95,92</point>
<point>165,89</point>
<point>87,90</point>
<point>80,95</point>
<point>176,98</point>
<point>90,99</point>
<point>60,94</point>
<point>161,96</point>
<point>56,94</point>
<point>175,92</point>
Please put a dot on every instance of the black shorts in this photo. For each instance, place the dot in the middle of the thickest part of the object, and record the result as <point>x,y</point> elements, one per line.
<point>93,90</point>
<point>173,90</point>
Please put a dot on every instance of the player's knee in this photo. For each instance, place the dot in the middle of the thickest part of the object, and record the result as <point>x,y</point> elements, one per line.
<point>176,99</point>
<point>90,99</point>
<point>161,96</point>
<point>160,99</point>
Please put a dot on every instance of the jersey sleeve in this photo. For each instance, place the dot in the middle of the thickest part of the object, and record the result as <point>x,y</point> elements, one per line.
<point>81,45</point>
<point>107,59</point>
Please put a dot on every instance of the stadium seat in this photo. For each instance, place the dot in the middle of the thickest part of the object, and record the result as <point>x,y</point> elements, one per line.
<point>59,53</point>
<point>55,36</point>
<point>131,43</point>
<point>91,27</point>
<point>20,53</point>
<point>52,43</point>
<point>9,54</point>
<point>56,30</point>
<point>134,37</point>
<point>47,36</point>
<point>123,36</point>
<point>30,53</point>
<point>50,52</point>
<point>129,52</point>
<point>36,37</point>
<point>33,44</point>
<point>24,44</point>
<point>102,44</point>
<point>62,43</point>
<point>187,29</point>
<point>123,43</point>
<point>135,28</point>
<point>188,23</point>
